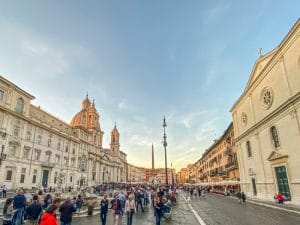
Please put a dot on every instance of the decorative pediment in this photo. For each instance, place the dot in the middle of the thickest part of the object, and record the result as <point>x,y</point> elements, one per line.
<point>105,157</point>
<point>259,65</point>
<point>276,155</point>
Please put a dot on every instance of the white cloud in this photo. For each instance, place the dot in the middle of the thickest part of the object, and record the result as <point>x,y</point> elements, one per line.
<point>123,105</point>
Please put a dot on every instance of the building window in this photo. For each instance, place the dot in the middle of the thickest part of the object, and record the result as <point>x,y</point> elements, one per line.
<point>275,138</point>
<point>55,177</point>
<point>72,162</point>
<point>1,95</point>
<point>13,150</point>
<point>22,179</point>
<point>67,148</point>
<point>26,153</point>
<point>58,146</point>
<point>71,178</point>
<point>48,157</point>
<point>37,154</point>
<point>49,143</point>
<point>73,151</point>
<point>28,135</point>
<point>8,175</point>
<point>16,131</point>
<point>66,161</point>
<point>34,179</point>
<point>249,151</point>
<point>266,97</point>
<point>57,158</point>
<point>20,106</point>
<point>39,139</point>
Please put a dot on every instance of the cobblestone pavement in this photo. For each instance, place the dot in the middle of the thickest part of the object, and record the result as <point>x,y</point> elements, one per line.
<point>181,215</point>
<point>220,210</point>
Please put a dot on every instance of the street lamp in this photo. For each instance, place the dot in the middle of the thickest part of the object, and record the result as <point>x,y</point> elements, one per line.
<point>165,146</point>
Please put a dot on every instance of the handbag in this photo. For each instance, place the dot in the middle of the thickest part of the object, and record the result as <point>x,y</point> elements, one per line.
<point>132,210</point>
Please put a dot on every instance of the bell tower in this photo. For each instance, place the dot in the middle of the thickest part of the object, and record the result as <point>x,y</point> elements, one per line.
<point>115,140</point>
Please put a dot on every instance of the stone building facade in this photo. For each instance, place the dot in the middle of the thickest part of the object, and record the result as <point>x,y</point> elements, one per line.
<point>218,164</point>
<point>266,123</point>
<point>40,149</point>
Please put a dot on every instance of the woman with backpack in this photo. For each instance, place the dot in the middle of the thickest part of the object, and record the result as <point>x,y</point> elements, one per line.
<point>49,218</point>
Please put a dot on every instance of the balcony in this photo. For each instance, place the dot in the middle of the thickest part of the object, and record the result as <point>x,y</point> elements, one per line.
<point>228,152</point>
<point>47,164</point>
<point>231,165</point>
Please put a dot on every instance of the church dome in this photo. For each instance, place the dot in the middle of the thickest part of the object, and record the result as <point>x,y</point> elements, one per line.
<point>88,117</point>
<point>79,119</point>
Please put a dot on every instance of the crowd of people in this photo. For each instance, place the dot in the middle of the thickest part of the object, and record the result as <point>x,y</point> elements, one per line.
<point>42,208</point>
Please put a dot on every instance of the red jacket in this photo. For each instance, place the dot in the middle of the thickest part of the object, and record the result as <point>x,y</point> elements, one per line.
<point>280,196</point>
<point>48,219</point>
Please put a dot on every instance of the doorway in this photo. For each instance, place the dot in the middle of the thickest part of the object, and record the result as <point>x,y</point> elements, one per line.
<point>45,178</point>
<point>283,182</point>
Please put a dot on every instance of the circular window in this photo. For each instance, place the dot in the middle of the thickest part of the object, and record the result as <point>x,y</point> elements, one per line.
<point>266,97</point>
<point>244,119</point>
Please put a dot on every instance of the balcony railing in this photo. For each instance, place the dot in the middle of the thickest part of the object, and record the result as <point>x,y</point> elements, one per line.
<point>228,151</point>
<point>231,165</point>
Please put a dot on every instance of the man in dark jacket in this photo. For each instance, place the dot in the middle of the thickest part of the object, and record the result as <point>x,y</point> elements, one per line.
<point>33,211</point>
<point>19,204</point>
<point>79,202</point>
<point>104,209</point>
<point>66,210</point>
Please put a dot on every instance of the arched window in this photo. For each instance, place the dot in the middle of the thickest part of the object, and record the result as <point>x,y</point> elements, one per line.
<point>275,138</point>
<point>249,151</point>
<point>20,106</point>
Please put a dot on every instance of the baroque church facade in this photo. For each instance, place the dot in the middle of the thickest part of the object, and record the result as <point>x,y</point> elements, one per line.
<point>40,149</point>
<point>267,125</point>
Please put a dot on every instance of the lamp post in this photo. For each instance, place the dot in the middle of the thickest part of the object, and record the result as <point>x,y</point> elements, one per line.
<point>165,146</point>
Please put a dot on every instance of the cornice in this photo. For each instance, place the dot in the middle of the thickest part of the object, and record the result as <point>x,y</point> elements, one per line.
<point>15,87</point>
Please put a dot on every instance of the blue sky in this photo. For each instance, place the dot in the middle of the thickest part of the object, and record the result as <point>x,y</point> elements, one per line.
<point>141,60</point>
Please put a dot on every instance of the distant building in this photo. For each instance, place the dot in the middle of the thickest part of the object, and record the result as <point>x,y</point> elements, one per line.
<point>267,125</point>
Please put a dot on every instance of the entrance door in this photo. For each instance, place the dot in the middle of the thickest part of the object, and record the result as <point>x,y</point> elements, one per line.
<point>254,186</point>
<point>282,181</point>
<point>45,178</point>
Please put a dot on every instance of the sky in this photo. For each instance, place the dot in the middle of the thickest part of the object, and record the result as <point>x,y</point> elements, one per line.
<point>142,60</point>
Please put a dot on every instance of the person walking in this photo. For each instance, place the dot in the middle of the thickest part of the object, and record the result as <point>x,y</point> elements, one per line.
<point>130,209</point>
<point>47,201</point>
<point>280,198</point>
<point>243,197</point>
<point>19,203</point>
<point>4,190</point>
<point>49,218</point>
<point>8,212</point>
<point>34,211</point>
<point>79,203</point>
<point>138,201</point>
<point>117,207</point>
<point>66,210</point>
<point>103,209</point>
<point>158,206</point>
